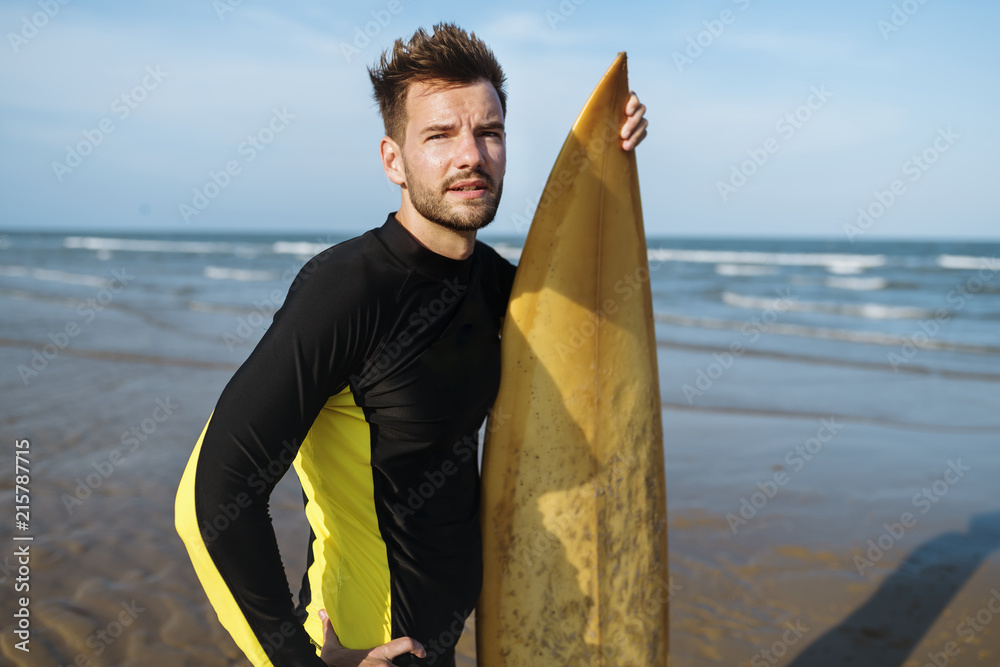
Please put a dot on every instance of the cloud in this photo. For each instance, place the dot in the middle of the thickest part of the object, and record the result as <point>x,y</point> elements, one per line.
<point>807,48</point>
<point>535,30</point>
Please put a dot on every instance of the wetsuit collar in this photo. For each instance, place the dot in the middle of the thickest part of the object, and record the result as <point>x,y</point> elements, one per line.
<point>405,246</point>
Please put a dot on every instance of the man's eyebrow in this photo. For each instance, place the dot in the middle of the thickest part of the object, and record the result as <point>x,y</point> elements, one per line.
<point>437,127</point>
<point>444,127</point>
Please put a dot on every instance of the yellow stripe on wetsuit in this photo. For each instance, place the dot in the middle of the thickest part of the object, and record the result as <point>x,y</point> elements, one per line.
<point>186,522</point>
<point>349,575</point>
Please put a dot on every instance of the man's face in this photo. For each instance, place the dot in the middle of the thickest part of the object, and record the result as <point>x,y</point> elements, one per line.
<point>454,153</point>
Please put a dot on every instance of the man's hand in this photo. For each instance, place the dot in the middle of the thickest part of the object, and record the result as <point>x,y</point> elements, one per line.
<point>335,655</point>
<point>634,129</point>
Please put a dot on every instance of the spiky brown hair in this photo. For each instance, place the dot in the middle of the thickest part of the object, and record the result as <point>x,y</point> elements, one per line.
<point>449,55</point>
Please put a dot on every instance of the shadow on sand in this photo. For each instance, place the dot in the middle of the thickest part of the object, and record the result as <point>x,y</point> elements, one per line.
<point>884,631</point>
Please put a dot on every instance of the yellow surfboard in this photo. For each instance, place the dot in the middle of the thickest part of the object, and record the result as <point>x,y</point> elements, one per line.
<point>574,509</point>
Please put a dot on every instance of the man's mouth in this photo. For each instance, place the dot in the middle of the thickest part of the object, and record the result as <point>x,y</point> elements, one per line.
<point>468,186</point>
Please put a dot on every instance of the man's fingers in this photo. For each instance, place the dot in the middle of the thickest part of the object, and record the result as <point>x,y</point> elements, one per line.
<point>636,137</point>
<point>633,107</point>
<point>330,637</point>
<point>398,647</point>
<point>634,128</point>
<point>632,104</point>
<point>634,118</point>
<point>335,653</point>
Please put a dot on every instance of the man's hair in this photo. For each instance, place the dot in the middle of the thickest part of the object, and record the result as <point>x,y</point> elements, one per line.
<point>450,56</point>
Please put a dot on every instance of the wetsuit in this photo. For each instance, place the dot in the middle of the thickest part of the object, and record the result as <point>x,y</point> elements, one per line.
<point>375,377</point>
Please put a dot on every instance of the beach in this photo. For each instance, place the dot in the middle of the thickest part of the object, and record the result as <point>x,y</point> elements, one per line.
<point>832,446</point>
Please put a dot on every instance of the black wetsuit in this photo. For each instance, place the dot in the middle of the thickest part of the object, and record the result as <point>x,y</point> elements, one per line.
<point>375,375</point>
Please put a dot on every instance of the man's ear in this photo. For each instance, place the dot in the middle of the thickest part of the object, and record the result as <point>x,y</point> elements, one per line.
<point>392,160</point>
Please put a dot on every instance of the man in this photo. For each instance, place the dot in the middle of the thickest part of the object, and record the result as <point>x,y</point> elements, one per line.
<point>375,377</point>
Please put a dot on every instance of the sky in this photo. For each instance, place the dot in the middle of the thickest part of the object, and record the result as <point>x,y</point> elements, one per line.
<point>860,119</point>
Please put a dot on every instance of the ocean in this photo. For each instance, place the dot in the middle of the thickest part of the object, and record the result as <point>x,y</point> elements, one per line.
<point>212,296</point>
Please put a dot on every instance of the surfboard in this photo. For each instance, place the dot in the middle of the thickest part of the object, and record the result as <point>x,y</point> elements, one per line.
<point>573,492</point>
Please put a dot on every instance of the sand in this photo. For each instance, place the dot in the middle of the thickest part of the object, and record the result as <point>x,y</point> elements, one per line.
<point>796,583</point>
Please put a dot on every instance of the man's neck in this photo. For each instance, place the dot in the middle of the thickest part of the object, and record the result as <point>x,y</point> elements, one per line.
<point>436,238</point>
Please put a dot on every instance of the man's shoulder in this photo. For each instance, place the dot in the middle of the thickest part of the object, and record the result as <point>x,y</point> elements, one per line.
<point>488,253</point>
<point>497,270</point>
<point>495,259</point>
<point>351,251</point>
<point>352,271</point>
<point>362,253</point>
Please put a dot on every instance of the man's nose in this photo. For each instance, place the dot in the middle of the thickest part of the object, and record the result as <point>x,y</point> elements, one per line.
<point>469,153</point>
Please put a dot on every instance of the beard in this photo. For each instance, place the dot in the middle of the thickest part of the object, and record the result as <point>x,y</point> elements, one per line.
<point>462,215</point>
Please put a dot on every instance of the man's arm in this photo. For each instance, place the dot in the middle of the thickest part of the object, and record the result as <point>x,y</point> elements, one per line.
<point>336,655</point>
<point>249,443</point>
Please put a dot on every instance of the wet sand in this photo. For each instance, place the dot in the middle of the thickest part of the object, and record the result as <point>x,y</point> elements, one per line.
<point>797,582</point>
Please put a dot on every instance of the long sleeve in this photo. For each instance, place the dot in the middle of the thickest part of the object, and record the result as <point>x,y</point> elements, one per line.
<point>317,340</point>
<point>374,377</point>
